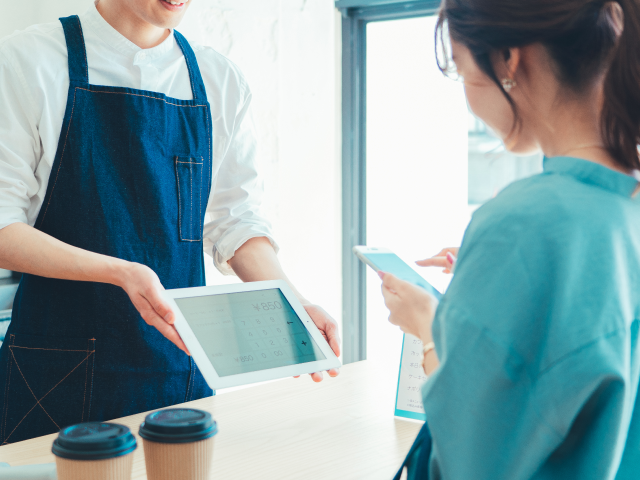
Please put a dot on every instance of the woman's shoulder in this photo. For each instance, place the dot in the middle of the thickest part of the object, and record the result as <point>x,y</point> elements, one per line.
<point>547,206</point>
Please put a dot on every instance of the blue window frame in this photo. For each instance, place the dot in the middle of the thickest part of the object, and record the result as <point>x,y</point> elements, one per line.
<point>356,15</point>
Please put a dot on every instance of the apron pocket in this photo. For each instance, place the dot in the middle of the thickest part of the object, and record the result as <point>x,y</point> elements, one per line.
<point>49,383</point>
<point>190,214</point>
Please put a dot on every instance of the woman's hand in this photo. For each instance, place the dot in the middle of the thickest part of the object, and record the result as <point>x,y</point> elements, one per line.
<point>411,307</point>
<point>446,259</point>
<point>145,291</point>
<point>329,329</point>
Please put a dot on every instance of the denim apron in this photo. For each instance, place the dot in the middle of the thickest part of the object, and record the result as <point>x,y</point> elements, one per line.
<point>131,179</point>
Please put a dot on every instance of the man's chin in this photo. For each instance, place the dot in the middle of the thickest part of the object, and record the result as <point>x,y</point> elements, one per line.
<point>170,16</point>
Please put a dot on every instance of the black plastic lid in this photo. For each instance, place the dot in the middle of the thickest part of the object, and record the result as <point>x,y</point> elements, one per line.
<point>178,425</point>
<point>94,441</point>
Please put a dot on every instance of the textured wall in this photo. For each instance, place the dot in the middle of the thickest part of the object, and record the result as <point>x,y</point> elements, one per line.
<point>289,51</point>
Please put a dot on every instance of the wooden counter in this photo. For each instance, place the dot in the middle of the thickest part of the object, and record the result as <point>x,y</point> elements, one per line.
<point>290,429</point>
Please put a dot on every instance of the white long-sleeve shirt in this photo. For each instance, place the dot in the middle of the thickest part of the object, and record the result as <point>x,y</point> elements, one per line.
<point>34,82</point>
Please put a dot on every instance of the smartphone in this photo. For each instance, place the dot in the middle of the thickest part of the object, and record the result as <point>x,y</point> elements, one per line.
<point>382,259</point>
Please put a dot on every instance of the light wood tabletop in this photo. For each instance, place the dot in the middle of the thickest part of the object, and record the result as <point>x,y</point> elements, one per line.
<point>290,429</point>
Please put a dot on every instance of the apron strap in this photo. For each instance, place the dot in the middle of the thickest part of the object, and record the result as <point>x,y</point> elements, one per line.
<point>197,85</point>
<point>78,67</point>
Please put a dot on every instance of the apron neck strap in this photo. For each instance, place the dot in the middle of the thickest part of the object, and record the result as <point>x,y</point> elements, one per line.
<point>197,85</point>
<point>78,67</point>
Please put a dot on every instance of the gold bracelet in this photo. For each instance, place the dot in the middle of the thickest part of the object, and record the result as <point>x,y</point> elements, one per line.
<point>428,348</point>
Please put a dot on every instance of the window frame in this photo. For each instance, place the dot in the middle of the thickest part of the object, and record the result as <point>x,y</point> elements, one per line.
<point>356,14</point>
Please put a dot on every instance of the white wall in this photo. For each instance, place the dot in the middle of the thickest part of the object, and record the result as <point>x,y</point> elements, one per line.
<point>287,49</point>
<point>17,15</point>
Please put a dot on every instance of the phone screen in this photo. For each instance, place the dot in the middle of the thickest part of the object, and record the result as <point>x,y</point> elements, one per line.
<point>390,262</point>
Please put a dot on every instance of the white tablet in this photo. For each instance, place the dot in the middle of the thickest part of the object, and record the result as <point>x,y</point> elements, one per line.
<point>250,332</point>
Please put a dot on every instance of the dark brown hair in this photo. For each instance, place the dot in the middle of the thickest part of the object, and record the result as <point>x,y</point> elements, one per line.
<point>581,38</point>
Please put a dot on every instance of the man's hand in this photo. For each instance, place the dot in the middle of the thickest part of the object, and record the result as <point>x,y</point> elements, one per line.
<point>145,291</point>
<point>255,261</point>
<point>329,329</point>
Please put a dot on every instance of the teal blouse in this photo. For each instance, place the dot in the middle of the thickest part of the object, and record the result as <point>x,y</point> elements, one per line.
<point>538,334</point>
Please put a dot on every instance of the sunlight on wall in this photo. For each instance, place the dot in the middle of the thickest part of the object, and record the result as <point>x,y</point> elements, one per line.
<point>287,50</point>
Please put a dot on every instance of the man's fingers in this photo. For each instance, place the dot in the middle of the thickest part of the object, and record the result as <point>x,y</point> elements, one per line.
<point>334,343</point>
<point>160,305</point>
<point>334,372</point>
<point>150,316</point>
<point>317,377</point>
<point>327,326</point>
<point>170,333</point>
<point>333,337</point>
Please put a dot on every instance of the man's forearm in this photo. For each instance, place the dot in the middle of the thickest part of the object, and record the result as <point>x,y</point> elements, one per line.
<point>27,250</point>
<point>256,260</point>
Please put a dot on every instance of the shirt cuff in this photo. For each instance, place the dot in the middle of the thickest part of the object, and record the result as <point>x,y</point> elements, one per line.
<point>225,248</point>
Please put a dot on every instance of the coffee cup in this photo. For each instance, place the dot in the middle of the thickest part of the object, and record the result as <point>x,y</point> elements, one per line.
<point>178,444</point>
<point>99,451</point>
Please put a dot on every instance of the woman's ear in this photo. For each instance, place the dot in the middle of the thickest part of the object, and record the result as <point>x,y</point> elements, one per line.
<point>512,57</point>
<point>506,63</point>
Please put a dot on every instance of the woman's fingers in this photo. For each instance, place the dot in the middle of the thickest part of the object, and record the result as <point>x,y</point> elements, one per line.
<point>391,282</point>
<point>445,259</point>
<point>434,262</point>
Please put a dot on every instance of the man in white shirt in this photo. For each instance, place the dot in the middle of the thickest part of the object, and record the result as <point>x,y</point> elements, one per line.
<point>115,137</point>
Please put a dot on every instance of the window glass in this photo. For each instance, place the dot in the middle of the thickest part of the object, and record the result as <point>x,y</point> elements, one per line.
<point>417,159</point>
<point>430,162</point>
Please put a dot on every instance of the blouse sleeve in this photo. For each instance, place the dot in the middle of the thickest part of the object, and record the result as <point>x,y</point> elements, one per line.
<point>484,422</point>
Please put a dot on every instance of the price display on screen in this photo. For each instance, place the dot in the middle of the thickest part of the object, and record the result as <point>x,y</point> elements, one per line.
<point>249,331</point>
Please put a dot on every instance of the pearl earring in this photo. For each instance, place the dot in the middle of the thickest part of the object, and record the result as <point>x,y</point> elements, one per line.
<point>508,84</point>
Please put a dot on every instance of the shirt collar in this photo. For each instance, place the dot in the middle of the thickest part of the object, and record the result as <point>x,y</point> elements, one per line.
<point>592,174</point>
<point>92,19</point>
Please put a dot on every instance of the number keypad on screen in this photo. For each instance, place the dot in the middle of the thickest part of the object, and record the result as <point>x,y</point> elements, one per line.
<point>249,331</point>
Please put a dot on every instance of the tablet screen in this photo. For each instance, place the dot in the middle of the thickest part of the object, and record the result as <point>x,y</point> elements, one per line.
<point>249,331</point>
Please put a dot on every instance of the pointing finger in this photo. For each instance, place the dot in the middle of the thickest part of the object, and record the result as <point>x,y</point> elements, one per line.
<point>434,262</point>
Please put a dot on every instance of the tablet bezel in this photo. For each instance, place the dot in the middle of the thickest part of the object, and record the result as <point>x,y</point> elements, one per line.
<point>204,364</point>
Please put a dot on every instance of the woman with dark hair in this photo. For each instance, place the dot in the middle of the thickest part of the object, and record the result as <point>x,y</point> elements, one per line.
<point>533,351</point>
